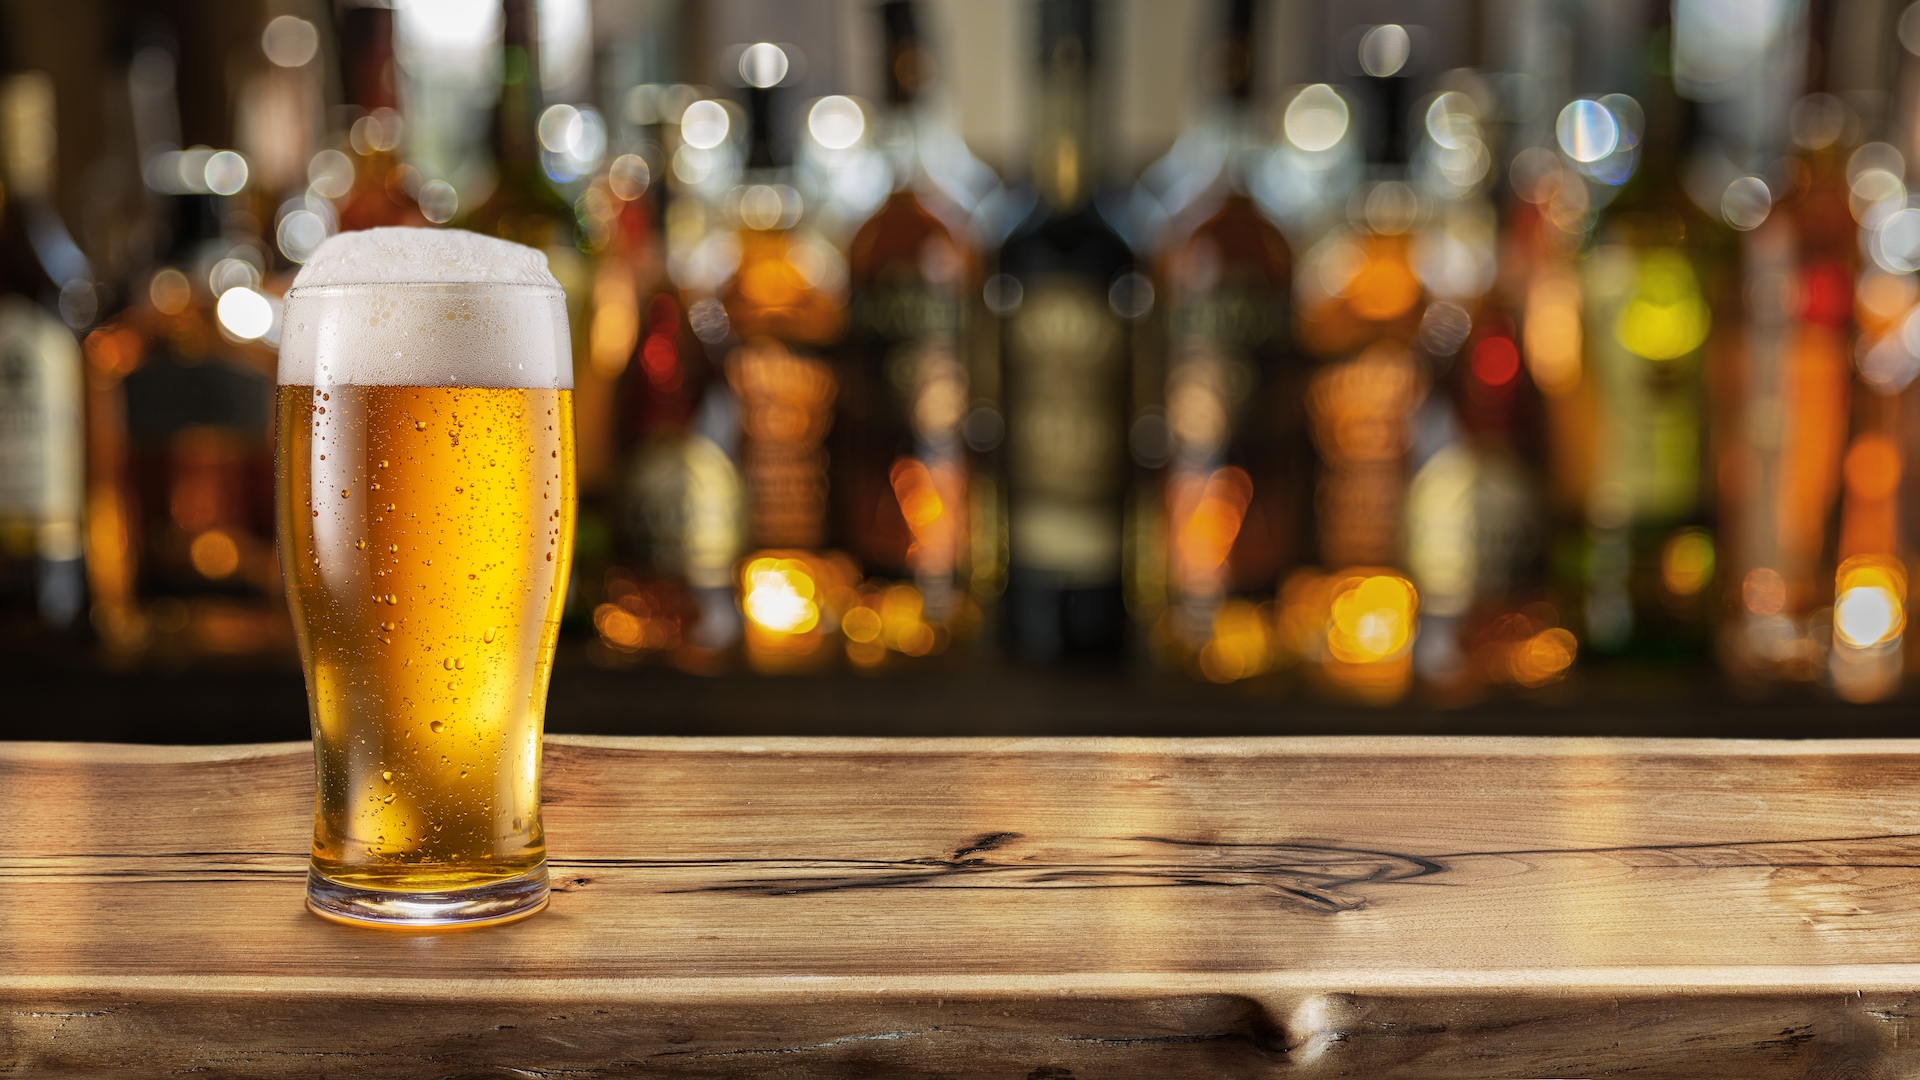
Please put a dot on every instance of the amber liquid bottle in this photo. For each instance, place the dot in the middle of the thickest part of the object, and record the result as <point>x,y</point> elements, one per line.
<point>901,469</point>
<point>379,195</point>
<point>1356,621</point>
<point>1067,366</point>
<point>1238,499</point>
<point>779,304</point>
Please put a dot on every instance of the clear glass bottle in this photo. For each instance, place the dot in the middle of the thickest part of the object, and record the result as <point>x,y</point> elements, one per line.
<point>41,447</point>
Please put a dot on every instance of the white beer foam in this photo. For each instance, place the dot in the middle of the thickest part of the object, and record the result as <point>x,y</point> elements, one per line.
<point>425,307</point>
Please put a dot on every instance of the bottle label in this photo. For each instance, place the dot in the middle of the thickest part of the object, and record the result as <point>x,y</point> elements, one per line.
<point>1066,366</point>
<point>787,408</point>
<point>41,470</point>
<point>1213,375</point>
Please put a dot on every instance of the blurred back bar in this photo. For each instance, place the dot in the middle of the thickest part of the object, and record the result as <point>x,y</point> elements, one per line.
<point>1296,357</point>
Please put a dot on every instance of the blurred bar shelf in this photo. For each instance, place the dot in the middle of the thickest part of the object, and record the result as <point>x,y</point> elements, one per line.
<point>1381,907</point>
<point>66,697</point>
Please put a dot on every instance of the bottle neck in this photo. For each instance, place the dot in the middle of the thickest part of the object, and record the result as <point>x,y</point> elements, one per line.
<point>515,146</point>
<point>1063,167</point>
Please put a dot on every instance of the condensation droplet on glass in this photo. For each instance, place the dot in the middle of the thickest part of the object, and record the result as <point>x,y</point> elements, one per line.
<point>437,727</point>
<point>387,776</point>
<point>488,636</point>
<point>419,425</point>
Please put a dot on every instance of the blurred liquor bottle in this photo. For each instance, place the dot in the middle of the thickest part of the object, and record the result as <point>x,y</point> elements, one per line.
<point>679,525</point>
<point>383,191</point>
<point>1240,464</point>
<point>783,304</point>
<point>675,496</point>
<point>527,208</point>
<point>180,469</point>
<point>1659,271</point>
<point>1786,393</point>
<point>1475,520</point>
<point>1874,549</point>
<point>1067,288</point>
<point>41,460</point>
<point>902,475</point>
<point>1358,618</point>
<point>278,124</point>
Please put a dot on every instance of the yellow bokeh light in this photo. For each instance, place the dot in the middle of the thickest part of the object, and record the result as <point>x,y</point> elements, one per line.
<point>861,624</point>
<point>780,596</point>
<point>1869,606</point>
<point>1667,317</point>
<point>214,555</point>
<point>1242,643</point>
<point>1552,334</point>
<point>1372,618</point>
<point>1686,563</point>
<point>618,627</point>
<point>920,502</point>
<point>1543,658</point>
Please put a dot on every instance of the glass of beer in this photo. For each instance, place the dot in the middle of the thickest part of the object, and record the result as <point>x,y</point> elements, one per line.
<point>425,483</point>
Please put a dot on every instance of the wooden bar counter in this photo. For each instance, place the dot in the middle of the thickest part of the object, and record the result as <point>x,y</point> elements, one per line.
<point>1035,909</point>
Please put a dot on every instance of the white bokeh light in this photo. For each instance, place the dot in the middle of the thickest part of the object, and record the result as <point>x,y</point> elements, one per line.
<point>763,64</point>
<point>704,125</point>
<point>836,122</point>
<point>244,313</point>
<point>1316,118</point>
<point>1587,131</point>
<point>290,41</point>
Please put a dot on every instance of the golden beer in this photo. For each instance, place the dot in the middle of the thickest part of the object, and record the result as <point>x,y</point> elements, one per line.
<point>425,537</point>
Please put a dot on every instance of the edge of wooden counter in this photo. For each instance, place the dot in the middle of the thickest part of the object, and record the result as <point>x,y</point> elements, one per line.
<point>1239,746</point>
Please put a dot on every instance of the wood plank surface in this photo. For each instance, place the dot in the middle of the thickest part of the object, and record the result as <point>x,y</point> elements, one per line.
<point>1006,908</point>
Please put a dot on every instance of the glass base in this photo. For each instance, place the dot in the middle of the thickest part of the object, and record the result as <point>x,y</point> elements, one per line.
<point>482,905</point>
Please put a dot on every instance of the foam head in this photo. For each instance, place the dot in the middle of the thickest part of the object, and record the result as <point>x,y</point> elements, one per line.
<point>425,307</point>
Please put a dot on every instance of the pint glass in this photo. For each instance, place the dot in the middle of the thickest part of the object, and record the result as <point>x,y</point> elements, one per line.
<point>426,502</point>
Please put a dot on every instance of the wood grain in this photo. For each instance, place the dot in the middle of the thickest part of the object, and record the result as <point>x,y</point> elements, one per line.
<point>1008,908</point>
